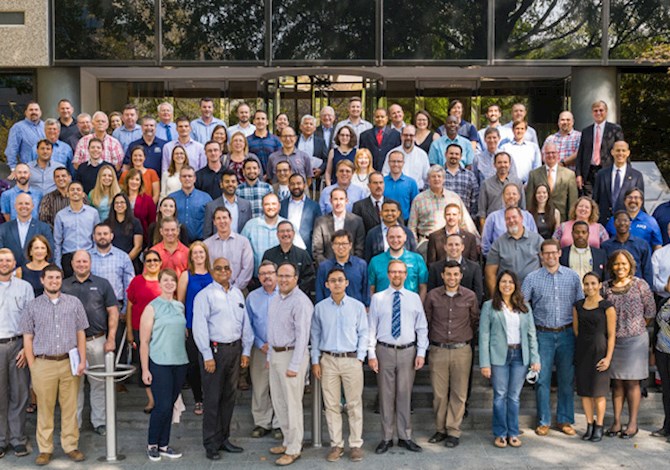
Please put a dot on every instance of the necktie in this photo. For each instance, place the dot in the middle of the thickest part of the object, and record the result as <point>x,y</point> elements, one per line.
<point>168,133</point>
<point>596,147</point>
<point>395,319</point>
<point>617,188</point>
<point>379,210</point>
<point>380,134</point>
<point>550,178</point>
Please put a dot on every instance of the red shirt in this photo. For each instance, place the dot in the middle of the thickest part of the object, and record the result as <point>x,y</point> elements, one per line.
<point>177,260</point>
<point>140,293</point>
<point>145,211</point>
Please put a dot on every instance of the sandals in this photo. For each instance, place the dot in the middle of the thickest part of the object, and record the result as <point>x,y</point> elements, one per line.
<point>199,410</point>
<point>514,441</point>
<point>500,442</point>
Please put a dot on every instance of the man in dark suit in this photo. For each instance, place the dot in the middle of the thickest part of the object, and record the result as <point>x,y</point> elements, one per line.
<point>613,182</point>
<point>380,140</point>
<point>339,219</point>
<point>375,240</point>
<point>312,144</point>
<point>472,272</point>
<point>582,258</point>
<point>10,236</point>
<point>301,211</point>
<point>369,209</point>
<point>229,200</point>
<point>326,130</point>
<point>595,147</point>
<point>438,239</point>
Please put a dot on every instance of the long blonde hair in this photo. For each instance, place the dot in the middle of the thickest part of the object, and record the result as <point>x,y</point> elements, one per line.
<point>98,193</point>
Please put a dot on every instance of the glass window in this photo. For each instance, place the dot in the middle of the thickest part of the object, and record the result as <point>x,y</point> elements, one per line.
<point>16,89</point>
<point>323,29</point>
<point>539,29</point>
<point>635,27</point>
<point>95,30</point>
<point>213,30</point>
<point>435,29</point>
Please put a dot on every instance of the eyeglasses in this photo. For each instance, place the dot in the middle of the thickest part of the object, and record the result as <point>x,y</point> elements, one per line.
<point>152,260</point>
<point>267,273</point>
<point>221,268</point>
<point>292,136</point>
<point>341,244</point>
<point>408,135</point>
<point>550,253</point>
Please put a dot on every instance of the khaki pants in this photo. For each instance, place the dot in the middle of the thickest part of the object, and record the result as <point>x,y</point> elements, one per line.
<point>287,394</point>
<point>449,374</point>
<point>347,372</point>
<point>53,379</point>
<point>261,403</point>
<point>95,355</point>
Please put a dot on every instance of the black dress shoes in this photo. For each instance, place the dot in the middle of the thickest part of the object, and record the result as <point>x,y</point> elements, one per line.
<point>409,445</point>
<point>383,447</point>
<point>452,442</point>
<point>437,437</point>
<point>213,454</point>
<point>597,434</point>
<point>230,447</point>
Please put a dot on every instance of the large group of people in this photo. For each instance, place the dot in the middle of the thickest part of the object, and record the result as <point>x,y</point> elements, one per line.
<point>210,251</point>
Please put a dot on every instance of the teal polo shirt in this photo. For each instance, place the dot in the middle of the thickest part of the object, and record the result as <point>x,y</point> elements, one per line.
<point>417,273</point>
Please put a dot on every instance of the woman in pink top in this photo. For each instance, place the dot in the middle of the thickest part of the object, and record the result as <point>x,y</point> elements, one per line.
<point>585,209</point>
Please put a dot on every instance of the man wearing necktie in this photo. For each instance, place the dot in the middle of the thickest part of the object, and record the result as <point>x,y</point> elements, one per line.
<point>380,140</point>
<point>166,129</point>
<point>398,341</point>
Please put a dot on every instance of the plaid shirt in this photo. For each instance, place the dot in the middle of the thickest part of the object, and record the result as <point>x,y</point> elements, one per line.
<point>465,184</point>
<point>567,144</point>
<point>254,194</point>
<point>54,326</point>
<point>262,147</point>
<point>112,151</point>
<point>427,213</point>
<point>552,295</point>
<point>116,267</point>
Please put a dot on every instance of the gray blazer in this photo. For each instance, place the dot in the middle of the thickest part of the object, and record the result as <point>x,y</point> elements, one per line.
<point>493,337</point>
<point>243,209</point>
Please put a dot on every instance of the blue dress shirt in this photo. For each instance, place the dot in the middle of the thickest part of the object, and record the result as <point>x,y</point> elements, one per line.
<point>221,317</point>
<point>495,226</point>
<point>72,230</point>
<point>258,301</point>
<point>61,155</point>
<point>354,194</point>
<point>356,270</point>
<point>126,136</point>
<point>439,147</point>
<point>116,267</point>
<point>22,137</point>
<point>161,131</point>
<point>8,197</point>
<point>191,210</point>
<point>339,328</point>
<point>202,132</point>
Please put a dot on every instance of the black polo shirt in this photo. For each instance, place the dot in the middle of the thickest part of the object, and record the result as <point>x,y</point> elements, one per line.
<point>209,181</point>
<point>97,295</point>
<point>300,258</point>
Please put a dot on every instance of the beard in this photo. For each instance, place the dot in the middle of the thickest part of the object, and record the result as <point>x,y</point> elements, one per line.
<point>514,230</point>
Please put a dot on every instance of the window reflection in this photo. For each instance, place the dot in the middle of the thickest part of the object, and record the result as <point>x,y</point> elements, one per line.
<point>435,29</point>
<point>545,29</point>
<point>95,30</point>
<point>637,26</point>
<point>323,29</point>
<point>198,30</point>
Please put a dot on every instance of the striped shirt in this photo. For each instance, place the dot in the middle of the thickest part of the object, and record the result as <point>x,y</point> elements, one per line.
<point>116,267</point>
<point>289,324</point>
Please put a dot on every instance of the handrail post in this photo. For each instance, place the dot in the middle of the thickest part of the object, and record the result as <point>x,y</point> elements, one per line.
<point>110,408</point>
<point>317,405</point>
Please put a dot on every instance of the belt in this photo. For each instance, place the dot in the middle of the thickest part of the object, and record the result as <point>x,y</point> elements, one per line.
<point>513,346</point>
<point>395,346</point>
<point>9,340</point>
<point>450,345</point>
<point>282,348</point>
<point>554,330</point>
<point>342,354</point>
<point>95,336</point>
<point>216,344</point>
<point>60,357</point>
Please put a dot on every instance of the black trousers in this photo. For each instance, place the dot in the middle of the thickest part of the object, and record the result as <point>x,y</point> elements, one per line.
<point>193,374</point>
<point>219,390</point>
<point>663,365</point>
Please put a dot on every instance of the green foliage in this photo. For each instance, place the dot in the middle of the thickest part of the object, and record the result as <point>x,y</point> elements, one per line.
<point>6,122</point>
<point>646,123</point>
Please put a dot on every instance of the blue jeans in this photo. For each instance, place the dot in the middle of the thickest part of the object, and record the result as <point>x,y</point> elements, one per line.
<point>558,348</point>
<point>507,383</point>
<point>166,385</point>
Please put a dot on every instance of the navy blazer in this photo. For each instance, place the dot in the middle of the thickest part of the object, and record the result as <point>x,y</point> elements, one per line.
<point>598,255</point>
<point>9,237</point>
<point>374,242</point>
<point>319,132</point>
<point>611,134</point>
<point>310,212</point>
<point>243,216</point>
<point>602,190</point>
<point>390,140</point>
